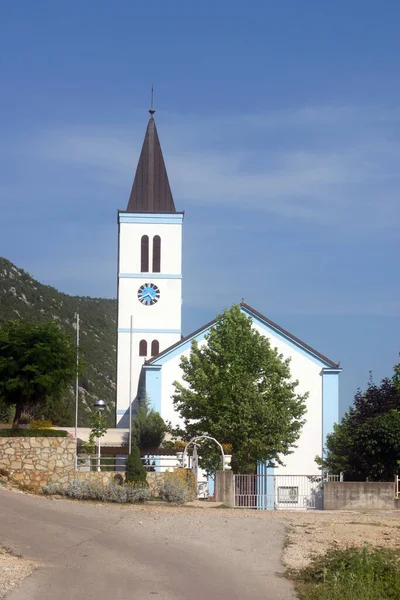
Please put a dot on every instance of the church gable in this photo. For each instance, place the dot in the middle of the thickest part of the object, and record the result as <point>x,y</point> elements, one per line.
<point>263,324</point>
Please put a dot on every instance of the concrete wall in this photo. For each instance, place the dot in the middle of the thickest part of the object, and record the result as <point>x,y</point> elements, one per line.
<point>35,461</point>
<point>360,496</point>
<point>224,488</point>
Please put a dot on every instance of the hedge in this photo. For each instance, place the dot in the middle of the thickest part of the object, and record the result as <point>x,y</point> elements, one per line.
<point>33,433</point>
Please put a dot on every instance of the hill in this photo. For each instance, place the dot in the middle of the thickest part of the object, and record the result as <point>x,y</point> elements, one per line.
<point>22,297</point>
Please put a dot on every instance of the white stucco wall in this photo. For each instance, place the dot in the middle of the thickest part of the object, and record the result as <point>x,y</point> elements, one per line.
<point>303,368</point>
<point>160,321</point>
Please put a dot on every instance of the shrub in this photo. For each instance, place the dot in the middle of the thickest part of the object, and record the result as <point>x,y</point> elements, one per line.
<point>33,433</point>
<point>41,424</point>
<point>148,427</point>
<point>179,486</point>
<point>135,471</point>
<point>350,574</point>
<point>92,490</point>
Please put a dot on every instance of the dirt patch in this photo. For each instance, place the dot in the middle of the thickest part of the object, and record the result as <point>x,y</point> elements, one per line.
<point>13,570</point>
<point>311,534</point>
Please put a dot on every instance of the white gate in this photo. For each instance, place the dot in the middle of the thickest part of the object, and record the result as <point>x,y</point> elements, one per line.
<point>269,492</point>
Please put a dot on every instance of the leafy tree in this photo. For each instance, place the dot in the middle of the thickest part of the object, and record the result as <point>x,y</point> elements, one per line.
<point>37,363</point>
<point>239,391</point>
<point>98,424</point>
<point>148,427</point>
<point>366,444</point>
<point>135,471</point>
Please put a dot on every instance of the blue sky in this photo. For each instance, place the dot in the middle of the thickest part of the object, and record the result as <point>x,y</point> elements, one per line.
<point>280,126</point>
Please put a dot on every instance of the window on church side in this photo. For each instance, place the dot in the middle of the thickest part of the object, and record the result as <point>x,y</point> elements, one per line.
<point>143,348</point>
<point>144,254</point>
<point>155,347</point>
<point>156,254</point>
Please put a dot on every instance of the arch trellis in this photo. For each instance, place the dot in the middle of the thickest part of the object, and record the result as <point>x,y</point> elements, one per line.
<point>203,437</point>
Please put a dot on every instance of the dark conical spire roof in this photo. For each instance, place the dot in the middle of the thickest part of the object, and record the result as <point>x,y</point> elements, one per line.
<point>150,191</point>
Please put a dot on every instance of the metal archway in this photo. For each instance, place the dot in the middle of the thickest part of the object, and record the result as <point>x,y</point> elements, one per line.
<point>203,437</point>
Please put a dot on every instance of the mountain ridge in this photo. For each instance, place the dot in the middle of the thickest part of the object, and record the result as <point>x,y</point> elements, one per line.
<point>23,297</point>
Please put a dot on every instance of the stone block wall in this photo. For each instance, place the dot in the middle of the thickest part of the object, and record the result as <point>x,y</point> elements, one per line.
<point>35,461</point>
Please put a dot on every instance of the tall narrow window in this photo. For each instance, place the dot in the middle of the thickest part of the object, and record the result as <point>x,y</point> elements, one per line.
<point>155,347</point>
<point>144,254</point>
<point>142,348</point>
<point>156,254</point>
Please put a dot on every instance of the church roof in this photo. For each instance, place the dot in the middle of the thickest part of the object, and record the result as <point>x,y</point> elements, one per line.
<point>151,192</point>
<point>258,316</point>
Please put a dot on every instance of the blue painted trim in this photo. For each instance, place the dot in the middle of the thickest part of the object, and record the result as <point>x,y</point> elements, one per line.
<point>157,218</point>
<point>211,485</point>
<point>330,402</point>
<point>288,340</point>
<point>265,488</point>
<point>121,411</point>
<point>150,275</point>
<point>153,388</point>
<point>181,348</point>
<point>176,351</point>
<point>128,330</point>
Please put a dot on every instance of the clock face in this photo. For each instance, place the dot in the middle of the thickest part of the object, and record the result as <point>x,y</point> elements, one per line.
<point>148,294</point>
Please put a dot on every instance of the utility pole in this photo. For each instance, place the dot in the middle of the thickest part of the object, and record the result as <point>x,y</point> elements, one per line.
<point>130,384</point>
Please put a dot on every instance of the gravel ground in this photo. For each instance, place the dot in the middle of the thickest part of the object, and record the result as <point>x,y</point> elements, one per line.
<point>246,532</point>
<point>12,571</point>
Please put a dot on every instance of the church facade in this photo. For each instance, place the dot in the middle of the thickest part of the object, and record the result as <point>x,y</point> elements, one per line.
<point>150,343</point>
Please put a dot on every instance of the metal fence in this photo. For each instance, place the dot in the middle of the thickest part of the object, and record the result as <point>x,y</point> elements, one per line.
<point>158,463</point>
<point>280,492</point>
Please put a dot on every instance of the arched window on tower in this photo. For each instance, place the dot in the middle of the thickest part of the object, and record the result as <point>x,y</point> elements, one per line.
<point>142,348</point>
<point>156,254</point>
<point>155,347</point>
<point>144,254</point>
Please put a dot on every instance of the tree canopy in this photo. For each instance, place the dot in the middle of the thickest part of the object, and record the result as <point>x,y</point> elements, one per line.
<point>37,363</point>
<point>366,444</point>
<point>238,390</point>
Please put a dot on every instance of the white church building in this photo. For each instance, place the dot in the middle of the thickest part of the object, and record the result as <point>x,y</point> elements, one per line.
<point>150,342</point>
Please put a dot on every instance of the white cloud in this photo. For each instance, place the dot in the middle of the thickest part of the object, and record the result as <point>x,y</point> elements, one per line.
<point>317,164</point>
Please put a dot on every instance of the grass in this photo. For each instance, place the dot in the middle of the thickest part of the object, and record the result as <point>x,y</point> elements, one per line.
<point>351,574</point>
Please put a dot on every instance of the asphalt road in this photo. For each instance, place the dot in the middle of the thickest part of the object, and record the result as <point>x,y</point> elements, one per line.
<point>105,552</point>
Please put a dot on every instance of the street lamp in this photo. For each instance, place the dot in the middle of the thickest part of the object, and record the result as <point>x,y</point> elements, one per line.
<point>99,405</point>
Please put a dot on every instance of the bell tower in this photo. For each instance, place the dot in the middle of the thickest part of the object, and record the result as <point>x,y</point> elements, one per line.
<point>149,272</point>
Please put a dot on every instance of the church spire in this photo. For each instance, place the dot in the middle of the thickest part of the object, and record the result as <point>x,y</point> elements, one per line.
<point>150,191</point>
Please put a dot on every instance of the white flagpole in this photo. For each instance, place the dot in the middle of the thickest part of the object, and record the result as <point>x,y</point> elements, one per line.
<point>130,384</point>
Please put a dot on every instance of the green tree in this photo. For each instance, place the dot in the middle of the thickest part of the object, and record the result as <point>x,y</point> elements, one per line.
<point>148,427</point>
<point>37,363</point>
<point>366,444</point>
<point>239,390</point>
<point>99,426</point>
<point>135,471</point>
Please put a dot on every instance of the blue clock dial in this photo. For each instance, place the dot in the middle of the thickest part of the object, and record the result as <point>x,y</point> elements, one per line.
<point>148,294</point>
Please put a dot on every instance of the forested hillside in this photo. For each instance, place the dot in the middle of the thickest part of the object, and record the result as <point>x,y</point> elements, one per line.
<point>22,297</point>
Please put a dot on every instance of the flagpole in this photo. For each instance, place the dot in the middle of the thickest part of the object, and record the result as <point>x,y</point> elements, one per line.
<point>130,384</point>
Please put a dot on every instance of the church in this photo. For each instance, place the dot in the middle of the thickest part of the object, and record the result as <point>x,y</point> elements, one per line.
<point>150,342</point>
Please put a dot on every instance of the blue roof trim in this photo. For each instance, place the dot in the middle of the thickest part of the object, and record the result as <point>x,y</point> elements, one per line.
<point>269,326</point>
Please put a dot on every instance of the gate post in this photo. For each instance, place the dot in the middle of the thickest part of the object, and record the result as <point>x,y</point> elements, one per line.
<point>225,488</point>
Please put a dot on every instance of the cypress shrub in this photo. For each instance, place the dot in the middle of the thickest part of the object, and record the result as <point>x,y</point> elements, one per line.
<point>135,471</point>
<point>33,433</point>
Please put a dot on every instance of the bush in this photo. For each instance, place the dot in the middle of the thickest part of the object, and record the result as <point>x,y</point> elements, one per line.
<point>135,471</point>
<point>179,486</point>
<point>92,490</point>
<point>148,427</point>
<point>33,433</point>
<point>351,574</point>
<point>41,424</point>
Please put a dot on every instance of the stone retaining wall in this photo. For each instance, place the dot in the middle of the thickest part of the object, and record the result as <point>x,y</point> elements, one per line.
<point>34,461</point>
